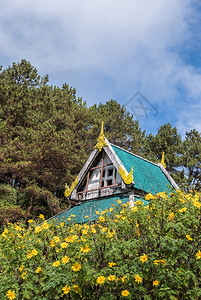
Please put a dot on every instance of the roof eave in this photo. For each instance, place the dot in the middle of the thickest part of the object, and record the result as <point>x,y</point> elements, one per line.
<point>169,177</point>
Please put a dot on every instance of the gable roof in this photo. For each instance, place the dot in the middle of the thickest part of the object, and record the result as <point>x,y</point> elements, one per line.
<point>147,175</point>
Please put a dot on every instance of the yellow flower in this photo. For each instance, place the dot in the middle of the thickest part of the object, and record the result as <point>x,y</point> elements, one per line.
<point>66,289</point>
<point>39,269</point>
<point>21,268</point>
<point>123,218</point>
<point>24,274</point>
<point>111,264</point>
<point>97,212</point>
<point>156,262</point>
<point>71,238</point>
<point>34,252</point>
<point>93,230</point>
<point>125,293</point>
<point>85,249</point>
<point>149,196</point>
<point>84,231</point>
<point>111,277</point>
<point>18,228</point>
<point>101,219</point>
<point>123,279</point>
<point>197,204</point>
<point>30,221</point>
<point>56,239</point>
<point>76,267</point>
<point>138,202</point>
<point>162,195</point>
<point>52,244</point>
<point>100,280</point>
<point>189,237</point>
<point>41,216</point>
<point>111,233</point>
<point>76,288</point>
<point>38,229</point>
<point>135,208</point>
<point>4,233</point>
<point>156,282</point>
<point>62,224</point>
<point>56,263</point>
<point>64,245</point>
<point>83,239</point>
<point>46,225</point>
<point>183,209</point>
<point>118,216</point>
<point>119,201</point>
<point>198,255</point>
<point>104,229</point>
<point>163,261</point>
<point>11,295</point>
<point>138,279</point>
<point>29,255</point>
<point>143,258</point>
<point>171,216</point>
<point>65,260</point>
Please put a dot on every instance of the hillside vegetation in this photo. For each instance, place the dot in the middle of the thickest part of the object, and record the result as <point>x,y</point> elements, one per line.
<point>46,134</point>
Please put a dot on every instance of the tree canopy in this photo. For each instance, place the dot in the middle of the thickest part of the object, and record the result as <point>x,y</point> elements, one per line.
<point>47,132</point>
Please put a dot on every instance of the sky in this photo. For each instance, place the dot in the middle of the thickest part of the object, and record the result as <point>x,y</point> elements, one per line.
<point>143,54</point>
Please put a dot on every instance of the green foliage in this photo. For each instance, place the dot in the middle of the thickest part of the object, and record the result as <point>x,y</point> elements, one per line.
<point>192,159</point>
<point>46,134</point>
<point>120,128</point>
<point>140,253</point>
<point>168,140</point>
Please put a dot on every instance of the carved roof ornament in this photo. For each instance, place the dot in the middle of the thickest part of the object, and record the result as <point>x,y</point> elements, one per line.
<point>163,159</point>
<point>101,140</point>
<point>128,179</point>
<point>68,190</point>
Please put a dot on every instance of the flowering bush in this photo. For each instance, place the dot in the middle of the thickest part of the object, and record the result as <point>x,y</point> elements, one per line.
<point>138,252</point>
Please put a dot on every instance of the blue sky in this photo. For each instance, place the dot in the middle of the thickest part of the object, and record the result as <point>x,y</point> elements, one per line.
<point>147,51</point>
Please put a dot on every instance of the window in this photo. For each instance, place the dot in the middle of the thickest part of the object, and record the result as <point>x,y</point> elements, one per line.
<point>101,176</point>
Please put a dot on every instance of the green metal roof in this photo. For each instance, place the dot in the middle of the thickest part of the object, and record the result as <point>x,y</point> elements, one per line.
<point>146,175</point>
<point>89,208</point>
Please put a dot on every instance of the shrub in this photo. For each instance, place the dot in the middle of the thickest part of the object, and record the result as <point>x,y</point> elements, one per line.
<point>138,252</point>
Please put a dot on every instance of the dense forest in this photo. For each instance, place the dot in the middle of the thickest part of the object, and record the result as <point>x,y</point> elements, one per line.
<point>47,132</point>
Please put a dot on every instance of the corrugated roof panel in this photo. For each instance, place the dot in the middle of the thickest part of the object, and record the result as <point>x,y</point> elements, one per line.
<point>146,175</point>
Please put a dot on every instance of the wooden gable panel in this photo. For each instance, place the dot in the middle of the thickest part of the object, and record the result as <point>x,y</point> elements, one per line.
<point>101,180</point>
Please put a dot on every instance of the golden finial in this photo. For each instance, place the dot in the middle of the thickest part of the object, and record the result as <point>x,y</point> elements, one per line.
<point>101,140</point>
<point>68,190</point>
<point>163,159</point>
<point>127,179</point>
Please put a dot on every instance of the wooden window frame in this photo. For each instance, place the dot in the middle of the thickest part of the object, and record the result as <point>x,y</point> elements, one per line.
<point>101,177</point>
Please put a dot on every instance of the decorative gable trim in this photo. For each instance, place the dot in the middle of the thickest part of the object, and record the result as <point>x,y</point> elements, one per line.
<point>84,171</point>
<point>116,161</point>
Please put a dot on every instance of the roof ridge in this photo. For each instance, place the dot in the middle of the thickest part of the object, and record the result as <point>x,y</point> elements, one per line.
<point>136,155</point>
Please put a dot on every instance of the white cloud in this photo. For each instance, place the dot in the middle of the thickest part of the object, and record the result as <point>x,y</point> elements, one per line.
<point>133,45</point>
